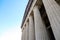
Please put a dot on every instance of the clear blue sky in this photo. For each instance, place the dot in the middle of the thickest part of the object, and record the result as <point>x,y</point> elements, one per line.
<point>11,14</point>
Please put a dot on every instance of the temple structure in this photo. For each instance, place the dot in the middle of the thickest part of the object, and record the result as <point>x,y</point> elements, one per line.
<point>41,20</point>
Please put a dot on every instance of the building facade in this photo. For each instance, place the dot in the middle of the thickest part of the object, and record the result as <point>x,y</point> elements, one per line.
<point>41,20</point>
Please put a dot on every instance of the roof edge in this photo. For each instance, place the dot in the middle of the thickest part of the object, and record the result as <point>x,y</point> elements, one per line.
<point>26,11</point>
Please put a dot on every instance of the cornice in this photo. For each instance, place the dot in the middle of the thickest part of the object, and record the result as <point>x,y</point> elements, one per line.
<point>26,11</point>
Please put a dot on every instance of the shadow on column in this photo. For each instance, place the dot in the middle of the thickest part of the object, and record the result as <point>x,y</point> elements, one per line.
<point>46,22</point>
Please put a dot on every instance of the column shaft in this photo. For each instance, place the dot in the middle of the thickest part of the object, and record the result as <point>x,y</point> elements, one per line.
<point>53,12</point>
<point>22,36</point>
<point>31,28</point>
<point>40,30</point>
<point>27,31</point>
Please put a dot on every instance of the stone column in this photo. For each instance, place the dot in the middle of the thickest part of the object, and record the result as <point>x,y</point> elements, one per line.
<point>22,36</point>
<point>53,13</point>
<point>24,33</point>
<point>27,31</point>
<point>40,30</point>
<point>31,28</point>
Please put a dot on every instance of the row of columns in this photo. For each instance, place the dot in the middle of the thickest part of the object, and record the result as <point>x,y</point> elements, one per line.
<point>28,32</point>
<point>36,30</point>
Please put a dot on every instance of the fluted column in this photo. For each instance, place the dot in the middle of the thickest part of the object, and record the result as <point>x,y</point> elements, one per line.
<point>31,28</point>
<point>24,33</point>
<point>53,13</point>
<point>40,30</point>
<point>22,36</point>
<point>27,31</point>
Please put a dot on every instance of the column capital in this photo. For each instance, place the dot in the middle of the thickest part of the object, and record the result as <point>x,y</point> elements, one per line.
<point>35,7</point>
